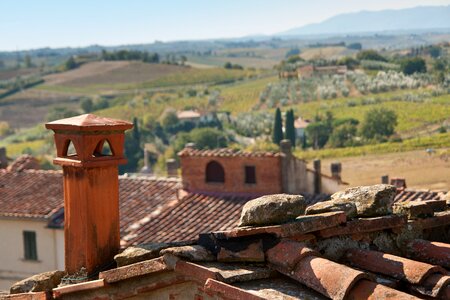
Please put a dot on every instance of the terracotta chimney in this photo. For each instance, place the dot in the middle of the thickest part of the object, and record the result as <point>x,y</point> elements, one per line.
<point>146,169</point>
<point>91,188</point>
<point>286,147</point>
<point>336,170</point>
<point>172,167</point>
<point>3,158</point>
<point>317,176</point>
<point>400,183</point>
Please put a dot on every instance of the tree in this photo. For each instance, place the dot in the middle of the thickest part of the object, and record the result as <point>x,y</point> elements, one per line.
<point>292,52</point>
<point>319,132</point>
<point>203,138</point>
<point>370,55</point>
<point>133,151</point>
<point>440,65</point>
<point>277,134</point>
<point>228,65</point>
<point>169,118</point>
<point>354,46</point>
<point>434,51</point>
<point>290,128</point>
<point>4,128</point>
<point>28,63</point>
<point>413,65</point>
<point>70,64</point>
<point>348,61</point>
<point>378,122</point>
<point>60,112</point>
<point>87,105</point>
<point>342,135</point>
<point>293,59</point>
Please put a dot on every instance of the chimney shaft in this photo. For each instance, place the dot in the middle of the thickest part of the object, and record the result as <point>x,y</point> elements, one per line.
<point>336,170</point>
<point>3,158</point>
<point>317,177</point>
<point>286,147</point>
<point>91,189</point>
<point>172,167</point>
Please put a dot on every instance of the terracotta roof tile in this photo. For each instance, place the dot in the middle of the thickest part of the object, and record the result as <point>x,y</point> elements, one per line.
<point>30,193</point>
<point>366,289</point>
<point>24,162</point>
<point>225,152</point>
<point>430,252</point>
<point>195,213</point>
<point>398,267</point>
<point>411,195</point>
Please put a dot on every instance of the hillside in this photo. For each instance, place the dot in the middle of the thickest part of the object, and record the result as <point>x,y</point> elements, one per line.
<point>112,72</point>
<point>427,18</point>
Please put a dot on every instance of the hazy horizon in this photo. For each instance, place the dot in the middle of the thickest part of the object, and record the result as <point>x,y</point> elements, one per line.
<point>31,25</point>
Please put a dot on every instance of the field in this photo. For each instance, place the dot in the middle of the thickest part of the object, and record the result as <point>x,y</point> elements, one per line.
<point>122,76</point>
<point>420,169</point>
<point>111,73</point>
<point>11,74</point>
<point>412,116</point>
<point>325,53</point>
<point>265,58</point>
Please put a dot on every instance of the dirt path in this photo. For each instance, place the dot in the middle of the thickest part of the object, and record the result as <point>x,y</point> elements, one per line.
<point>421,170</point>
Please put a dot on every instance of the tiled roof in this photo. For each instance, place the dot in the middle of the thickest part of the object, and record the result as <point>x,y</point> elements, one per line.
<point>359,258</point>
<point>414,195</point>
<point>188,114</point>
<point>142,199</point>
<point>24,162</point>
<point>30,193</point>
<point>301,123</point>
<point>193,214</point>
<point>226,152</point>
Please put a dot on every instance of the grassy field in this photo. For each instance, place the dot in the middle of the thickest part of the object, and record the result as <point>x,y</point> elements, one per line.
<point>436,141</point>
<point>30,107</point>
<point>265,58</point>
<point>420,169</point>
<point>324,52</point>
<point>116,77</point>
<point>411,115</point>
<point>11,74</point>
<point>244,96</point>
<point>111,73</point>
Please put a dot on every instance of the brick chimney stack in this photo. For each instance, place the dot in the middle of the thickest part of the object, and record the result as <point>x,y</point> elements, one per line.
<point>336,170</point>
<point>317,176</point>
<point>91,188</point>
<point>3,158</point>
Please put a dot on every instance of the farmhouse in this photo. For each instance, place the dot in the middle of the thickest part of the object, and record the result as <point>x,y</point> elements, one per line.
<point>300,125</point>
<point>309,71</point>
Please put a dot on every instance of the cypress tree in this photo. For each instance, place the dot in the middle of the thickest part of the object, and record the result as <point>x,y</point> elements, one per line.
<point>290,128</point>
<point>277,134</point>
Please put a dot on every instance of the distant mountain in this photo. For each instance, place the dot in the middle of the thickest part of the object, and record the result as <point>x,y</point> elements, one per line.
<point>418,18</point>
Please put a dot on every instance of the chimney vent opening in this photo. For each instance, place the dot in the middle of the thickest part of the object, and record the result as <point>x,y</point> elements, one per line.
<point>69,149</point>
<point>103,148</point>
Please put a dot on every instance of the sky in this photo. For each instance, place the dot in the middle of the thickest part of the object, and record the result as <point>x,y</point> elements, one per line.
<point>30,24</point>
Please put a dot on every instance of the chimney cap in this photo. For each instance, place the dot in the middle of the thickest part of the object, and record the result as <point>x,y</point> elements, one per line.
<point>89,122</point>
